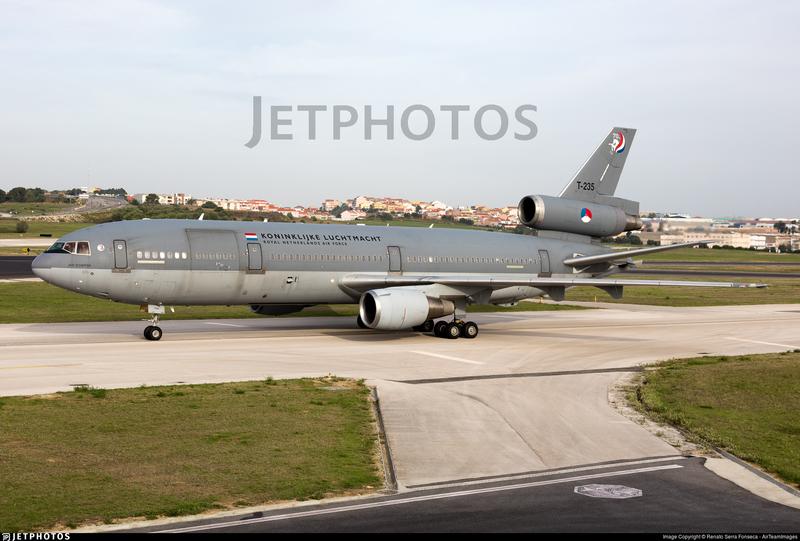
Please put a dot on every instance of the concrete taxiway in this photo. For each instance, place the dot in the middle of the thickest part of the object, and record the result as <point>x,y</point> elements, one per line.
<point>530,394</point>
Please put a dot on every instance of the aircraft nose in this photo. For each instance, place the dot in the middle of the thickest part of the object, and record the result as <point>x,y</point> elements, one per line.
<point>36,265</point>
<point>41,267</point>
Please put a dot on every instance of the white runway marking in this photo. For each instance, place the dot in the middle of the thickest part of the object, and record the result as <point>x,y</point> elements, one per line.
<point>763,343</point>
<point>223,324</point>
<point>402,501</point>
<point>448,357</point>
<point>562,471</point>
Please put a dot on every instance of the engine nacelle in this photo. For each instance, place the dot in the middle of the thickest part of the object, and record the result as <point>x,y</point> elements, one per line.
<point>396,308</point>
<point>277,309</point>
<point>573,216</point>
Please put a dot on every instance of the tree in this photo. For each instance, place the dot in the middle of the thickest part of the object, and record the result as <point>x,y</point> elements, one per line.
<point>781,227</point>
<point>34,195</point>
<point>2,196</point>
<point>151,199</point>
<point>209,205</point>
<point>17,194</point>
<point>22,227</point>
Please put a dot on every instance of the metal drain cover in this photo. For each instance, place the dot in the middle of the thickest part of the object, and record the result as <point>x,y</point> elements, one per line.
<point>615,492</point>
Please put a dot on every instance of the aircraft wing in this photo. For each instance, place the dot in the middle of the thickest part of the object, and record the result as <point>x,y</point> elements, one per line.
<point>370,281</point>
<point>585,261</point>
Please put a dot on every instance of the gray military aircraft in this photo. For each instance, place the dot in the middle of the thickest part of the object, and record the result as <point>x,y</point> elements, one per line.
<point>401,277</point>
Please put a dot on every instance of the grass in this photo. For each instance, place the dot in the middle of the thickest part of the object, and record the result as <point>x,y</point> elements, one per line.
<point>35,209</point>
<point>36,228</point>
<point>39,302</point>
<point>719,254</point>
<point>746,405</point>
<point>92,456</point>
<point>779,291</point>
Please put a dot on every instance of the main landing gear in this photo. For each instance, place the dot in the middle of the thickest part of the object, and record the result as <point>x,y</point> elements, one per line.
<point>455,329</point>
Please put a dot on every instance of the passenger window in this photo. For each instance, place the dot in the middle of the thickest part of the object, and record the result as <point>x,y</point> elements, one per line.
<point>183,255</point>
<point>162,255</point>
<point>139,254</point>
<point>146,255</point>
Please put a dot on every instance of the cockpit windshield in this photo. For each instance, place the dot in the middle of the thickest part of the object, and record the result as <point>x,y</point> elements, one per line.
<point>74,247</point>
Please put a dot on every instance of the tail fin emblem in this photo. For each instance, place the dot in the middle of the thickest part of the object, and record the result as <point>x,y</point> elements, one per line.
<point>617,143</point>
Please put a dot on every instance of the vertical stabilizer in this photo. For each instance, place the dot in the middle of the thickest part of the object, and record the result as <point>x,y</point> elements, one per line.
<point>599,176</point>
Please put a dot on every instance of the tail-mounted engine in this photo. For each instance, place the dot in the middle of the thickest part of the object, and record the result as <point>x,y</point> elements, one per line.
<point>573,216</point>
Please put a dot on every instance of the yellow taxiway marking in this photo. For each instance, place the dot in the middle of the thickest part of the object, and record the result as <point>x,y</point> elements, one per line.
<point>448,357</point>
<point>38,366</point>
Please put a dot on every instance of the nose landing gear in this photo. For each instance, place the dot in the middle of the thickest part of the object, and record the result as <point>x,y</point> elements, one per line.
<point>153,331</point>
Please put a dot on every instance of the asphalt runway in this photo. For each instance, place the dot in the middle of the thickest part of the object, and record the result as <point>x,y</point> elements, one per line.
<point>676,495</point>
<point>15,266</point>
<point>530,394</point>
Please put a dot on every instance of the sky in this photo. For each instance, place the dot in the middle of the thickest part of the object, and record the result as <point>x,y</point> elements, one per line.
<point>157,97</point>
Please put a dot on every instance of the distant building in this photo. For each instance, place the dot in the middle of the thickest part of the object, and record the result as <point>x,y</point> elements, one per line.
<point>330,204</point>
<point>165,198</point>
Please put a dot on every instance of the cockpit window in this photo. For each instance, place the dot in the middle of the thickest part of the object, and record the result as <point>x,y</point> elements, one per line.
<point>57,248</point>
<point>77,248</point>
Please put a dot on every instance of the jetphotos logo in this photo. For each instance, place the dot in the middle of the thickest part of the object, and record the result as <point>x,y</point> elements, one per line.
<point>36,536</point>
<point>586,215</point>
<point>617,143</point>
<point>415,122</point>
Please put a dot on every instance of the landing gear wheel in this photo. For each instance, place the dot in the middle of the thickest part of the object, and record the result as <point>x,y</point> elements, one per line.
<point>155,333</point>
<point>425,327</point>
<point>151,332</point>
<point>360,323</point>
<point>469,330</point>
<point>439,327</point>
<point>453,330</point>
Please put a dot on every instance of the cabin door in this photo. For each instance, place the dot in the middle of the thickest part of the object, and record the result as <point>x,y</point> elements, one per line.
<point>120,254</point>
<point>254,256</point>
<point>544,256</point>
<point>395,259</point>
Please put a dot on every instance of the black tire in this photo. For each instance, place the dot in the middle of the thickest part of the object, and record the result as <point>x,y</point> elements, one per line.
<point>427,326</point>
<point>469,330</point>
<point>360,323</point>
<point>156,333</point>
<point>147,332</point>
<point>438,328</point>
<point>452,331</point>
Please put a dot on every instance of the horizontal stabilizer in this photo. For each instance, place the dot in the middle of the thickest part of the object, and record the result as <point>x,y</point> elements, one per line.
<point>585,261</point>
